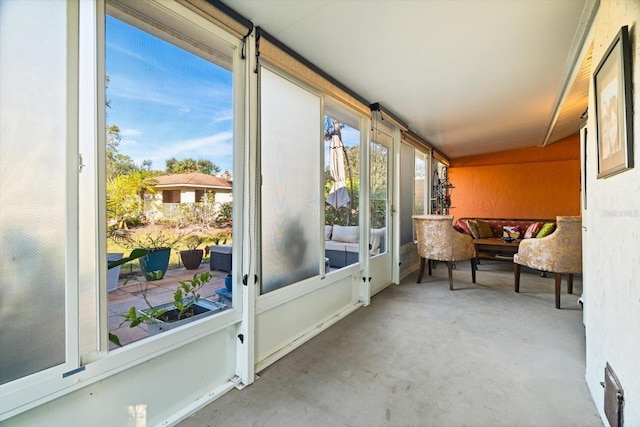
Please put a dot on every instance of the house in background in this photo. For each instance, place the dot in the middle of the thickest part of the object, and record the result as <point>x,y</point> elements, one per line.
<point>191,188</point>
<point>176,192</point>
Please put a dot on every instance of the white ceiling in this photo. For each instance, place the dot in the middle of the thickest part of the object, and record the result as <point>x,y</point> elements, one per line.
<point>469,76</point>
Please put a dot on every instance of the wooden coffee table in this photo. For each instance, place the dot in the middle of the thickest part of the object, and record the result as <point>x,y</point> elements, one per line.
<point>496,248</point>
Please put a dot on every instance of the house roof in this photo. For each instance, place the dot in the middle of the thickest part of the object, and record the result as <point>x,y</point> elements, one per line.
<point>193,179</point>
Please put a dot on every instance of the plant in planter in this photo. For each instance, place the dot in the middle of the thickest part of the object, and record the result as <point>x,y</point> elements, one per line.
<point>114,264</point>
<point>114,273</point>
<point>187,306</point>
<point>220,237</point>
<point>158,246</point>
<point>192,256</point>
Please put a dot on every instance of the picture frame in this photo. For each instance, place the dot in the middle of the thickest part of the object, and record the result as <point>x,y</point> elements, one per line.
<point>613,107</point>
<point>584,135</point>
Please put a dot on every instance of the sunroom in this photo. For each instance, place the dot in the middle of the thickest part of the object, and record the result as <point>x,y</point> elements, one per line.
<point>194,80</point>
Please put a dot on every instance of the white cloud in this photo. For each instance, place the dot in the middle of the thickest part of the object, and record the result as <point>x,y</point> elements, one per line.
<point>128,143</point>
<point>134,55</point>
<point>223,116</point>
<point>218,148</point>
<point>126,88</point>
<point>130,132</point>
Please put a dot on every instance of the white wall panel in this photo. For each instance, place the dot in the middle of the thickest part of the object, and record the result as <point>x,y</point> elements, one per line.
<point>612,255</point>
<point>284,327</point>
<point>147,394</point>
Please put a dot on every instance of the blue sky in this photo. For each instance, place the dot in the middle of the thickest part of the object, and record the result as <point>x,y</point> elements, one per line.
<point>167,102</point>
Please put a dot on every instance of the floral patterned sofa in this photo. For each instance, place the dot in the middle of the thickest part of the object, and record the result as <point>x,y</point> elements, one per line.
<point>525,228</point>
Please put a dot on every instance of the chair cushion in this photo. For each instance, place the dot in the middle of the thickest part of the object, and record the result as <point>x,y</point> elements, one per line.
<point>377,234</point>
<point>330,245</point>
<point>328,229</point>
<point>512,231</point>
<point>546,229</point>
<point>532,230</point>
<point>484,229</point>
<point>348,234</point>
<point>473,227</point>
<point>464,226</point>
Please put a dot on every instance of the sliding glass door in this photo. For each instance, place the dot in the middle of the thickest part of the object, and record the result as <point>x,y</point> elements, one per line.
<point>381,209</point>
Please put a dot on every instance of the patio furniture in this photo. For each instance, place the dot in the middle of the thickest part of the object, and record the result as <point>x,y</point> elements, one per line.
<point>496,248</point>
<point>220,258</point>
<point>560,253</point>
<point>225,296</point>
<point>439,241</point>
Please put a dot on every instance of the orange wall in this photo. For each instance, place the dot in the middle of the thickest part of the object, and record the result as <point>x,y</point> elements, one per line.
<point>539,182</point>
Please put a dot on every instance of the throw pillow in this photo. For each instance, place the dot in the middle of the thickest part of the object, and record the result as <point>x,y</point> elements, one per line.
<point>462,224</point>
<point>473,227</point>
<point>532,230</point>
<point>344,234</point>
<point>377,234</point>
<point>546,230</point>
<point>484,229</point>
<point>512,231</point>
<point>327,232</point>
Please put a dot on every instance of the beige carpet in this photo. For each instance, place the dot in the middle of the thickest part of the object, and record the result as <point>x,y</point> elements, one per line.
<point>421,355</point>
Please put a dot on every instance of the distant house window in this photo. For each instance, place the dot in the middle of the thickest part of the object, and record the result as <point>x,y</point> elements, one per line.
<point>199,195</point>
<point>170,196</point>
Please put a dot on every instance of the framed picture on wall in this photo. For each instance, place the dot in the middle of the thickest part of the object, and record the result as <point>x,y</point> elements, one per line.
<point>583,175</point>
<point>614,121</point>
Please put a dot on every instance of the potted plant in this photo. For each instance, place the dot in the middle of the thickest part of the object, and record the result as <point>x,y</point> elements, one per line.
<point>114,261</point>
<point>186,306</point>
<point>220,237</point>
<point>192,256</point>
<point>114,264</point>
<point>114,273</point>
<point>158,246</point>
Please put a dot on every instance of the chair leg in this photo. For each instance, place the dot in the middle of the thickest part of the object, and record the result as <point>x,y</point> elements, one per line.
<point>430,265</point>
<point>450,268</point>
<point>516,277</point>
<point>474,265</point>
<point>570,283</point>
<point>558,281</point>
<point>422,260</point>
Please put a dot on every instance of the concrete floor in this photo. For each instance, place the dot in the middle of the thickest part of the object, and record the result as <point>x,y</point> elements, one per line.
<point>422,355</point>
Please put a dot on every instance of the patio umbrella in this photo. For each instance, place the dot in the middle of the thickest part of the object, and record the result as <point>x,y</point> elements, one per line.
<point>338,196</point>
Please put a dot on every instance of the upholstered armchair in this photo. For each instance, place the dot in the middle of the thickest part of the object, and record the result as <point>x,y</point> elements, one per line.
<point>560,252</point>
<point>439,241</point>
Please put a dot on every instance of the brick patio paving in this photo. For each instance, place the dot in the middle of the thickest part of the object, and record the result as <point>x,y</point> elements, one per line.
<point>159,291</point>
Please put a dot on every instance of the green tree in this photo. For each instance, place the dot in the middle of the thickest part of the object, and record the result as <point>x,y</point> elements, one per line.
<point>225,213</point>
<point>118,163</point>
<point>378,165</point>
<point>125,197</point>
<point>191,165</point>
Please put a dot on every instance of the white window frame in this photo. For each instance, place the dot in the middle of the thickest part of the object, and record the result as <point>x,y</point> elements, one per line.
<point>16,396</point>
<point>149,347</point>
<point>34,390</point>
<point>275,298</point>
